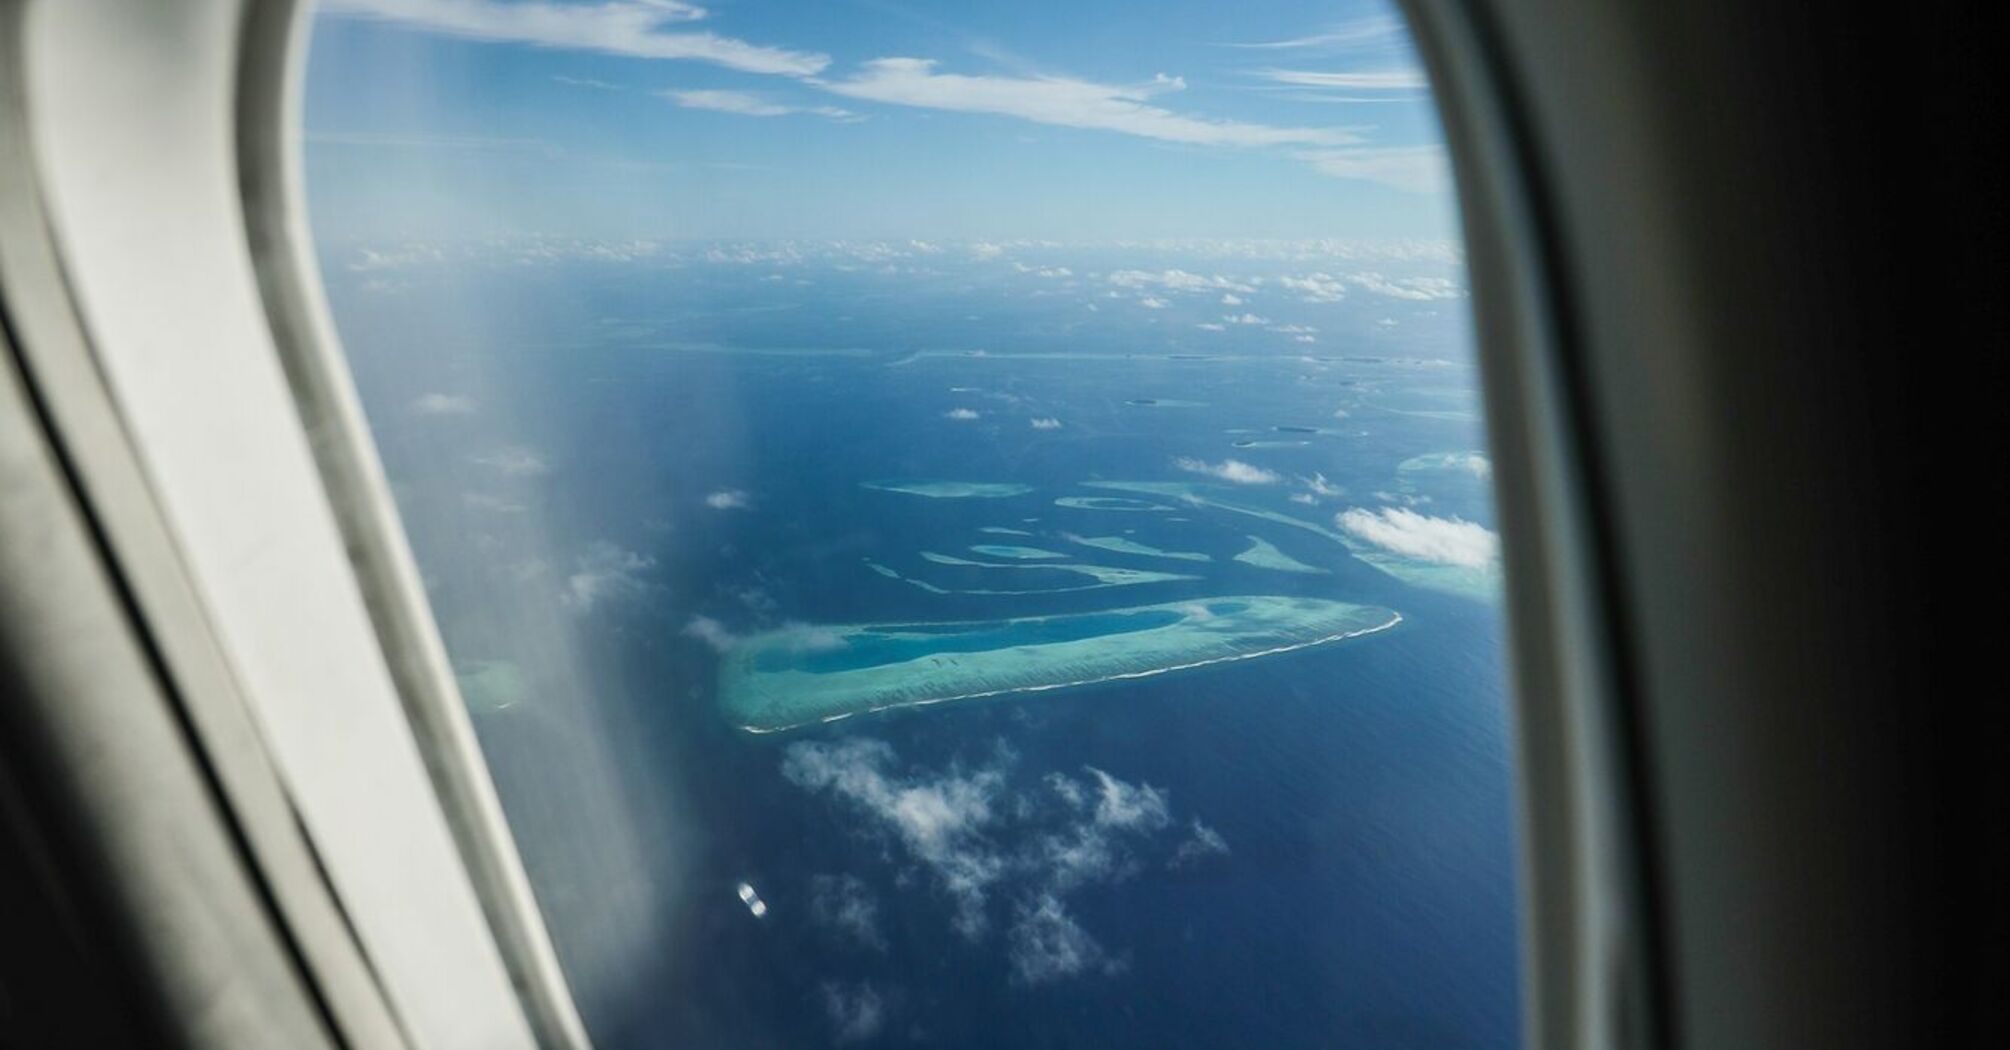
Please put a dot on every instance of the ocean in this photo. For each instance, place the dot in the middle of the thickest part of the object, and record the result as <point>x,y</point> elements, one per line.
<point>616,471</point>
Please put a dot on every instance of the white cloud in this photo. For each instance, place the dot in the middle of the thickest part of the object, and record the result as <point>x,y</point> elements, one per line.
<point>728,499</point>
<point>369,260</point>
<point>1210,326</point>
<point>1120,805</point>
<point>1244,319</point>
<point>1046,423</point>
<point>1233,470</point>
<point>749,104</point>
<point>856,1011</point>
<point>604,571</point>
<point>975,834</point>
<point>1358,80</point>
<point>1152,302</point>
<point>711,632</point>
<point>1419,289</point>
<point>634,28</point>
<point>1175,280</point>
<point>1413,169</point>
<point>1231,299</point>
<point>1206,842</point>
<point>805,638</point>
<point>1370,32</point>
<point>1315,287</point>
<point>961,415</point>
<point>443,405</point>
<point>940,820</point>
<point>1067,102</point>
<point>1046,944</point>
<point>1446,541</point>
<point>585,82</point>
<point>843,903</point>
<point>1320,486</point>
<point>1473,463</point>
<point>515,462</point>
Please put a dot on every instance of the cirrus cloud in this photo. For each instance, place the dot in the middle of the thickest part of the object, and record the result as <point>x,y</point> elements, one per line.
<point>1067,102</point>
<point>749,104</point>
<point>634,28</point>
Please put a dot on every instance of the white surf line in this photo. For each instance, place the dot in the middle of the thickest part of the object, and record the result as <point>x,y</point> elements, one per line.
<point>1394,619</point>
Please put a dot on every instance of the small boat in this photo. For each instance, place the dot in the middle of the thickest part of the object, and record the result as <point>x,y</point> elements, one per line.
<point>753,901</point>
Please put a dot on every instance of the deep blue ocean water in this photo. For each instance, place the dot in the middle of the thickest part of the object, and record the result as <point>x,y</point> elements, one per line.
<point>1308,849</point>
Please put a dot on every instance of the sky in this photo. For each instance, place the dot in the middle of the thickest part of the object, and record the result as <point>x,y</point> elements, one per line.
<point>847,119</point>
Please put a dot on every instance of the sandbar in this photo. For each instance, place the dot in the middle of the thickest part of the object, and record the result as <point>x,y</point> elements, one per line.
<point>951,489</point>
<point>806,674</point>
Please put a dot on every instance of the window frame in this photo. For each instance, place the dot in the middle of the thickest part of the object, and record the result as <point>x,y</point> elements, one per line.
<point>171,329</point>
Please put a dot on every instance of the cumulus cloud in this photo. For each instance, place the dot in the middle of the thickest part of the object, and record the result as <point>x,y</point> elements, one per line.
<point>978,835</point>
<point>1045,423</point>
<point>844,904</point>
<point>1474,463</point>
<point>1245,318</point>
<point>939,820</point>
<point>1419,289</point>
<point>1233,470</point>
<point>443,405</point>
<point>727,499</point>
<point>856,1011</point>
<point>711,632</point>
<point>1175,281</point>
<point>1318,484</point>
<point>961,415</point>
<point>1093,849</point>
<point>1206,842</point>
<point>1123,108</point>
<point>515,462</point>
<point>1446,541</point>
<point>1315,287</point>
<point>1153,302</point>
<point>1231,299</point>
<point>632,28</point>
<point>604,571</point>
<point>1046,944</point>
<point>749,104</point>
<point>1121,805</point>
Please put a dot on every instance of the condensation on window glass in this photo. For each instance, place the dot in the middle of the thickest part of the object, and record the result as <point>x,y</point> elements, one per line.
<point>956,525</point>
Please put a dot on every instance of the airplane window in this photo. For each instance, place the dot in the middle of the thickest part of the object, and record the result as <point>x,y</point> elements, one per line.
<point>955,525</point>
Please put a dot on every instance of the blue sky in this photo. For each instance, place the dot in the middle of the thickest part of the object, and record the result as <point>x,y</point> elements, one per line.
<point>840,119</point>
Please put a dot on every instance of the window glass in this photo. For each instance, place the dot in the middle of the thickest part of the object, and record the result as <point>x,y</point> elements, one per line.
<point>959,525</point>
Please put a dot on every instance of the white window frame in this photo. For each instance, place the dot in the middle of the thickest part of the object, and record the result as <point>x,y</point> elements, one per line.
<point>185,359</point>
